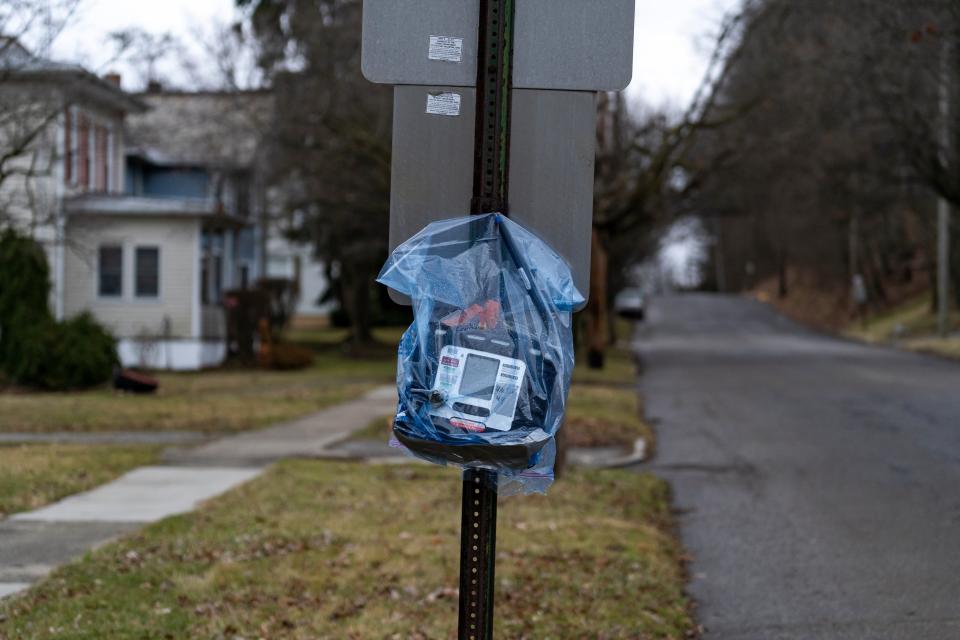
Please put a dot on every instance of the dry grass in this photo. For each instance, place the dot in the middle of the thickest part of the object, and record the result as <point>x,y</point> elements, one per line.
<point>37,474</point>
<point>912,325</point>
<point>331,550</point>
<point>949,347</point>
<point>209,401</point>
<point>603,407</point>
<point>599,416</point>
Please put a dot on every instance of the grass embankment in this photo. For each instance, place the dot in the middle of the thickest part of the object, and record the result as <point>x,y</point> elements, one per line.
<point>912,325</point>
<point>34,475</point>
<point>601,416</point>
<point>334,550</point>
<point>223,400</point>
<point>604,407</point>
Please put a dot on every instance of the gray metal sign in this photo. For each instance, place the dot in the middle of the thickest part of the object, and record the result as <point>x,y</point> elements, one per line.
<point>551,165</point>
<point>576,45</point>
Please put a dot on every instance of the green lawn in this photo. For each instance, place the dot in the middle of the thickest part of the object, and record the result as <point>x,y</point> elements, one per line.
<point>36,474</point>
<point>335,550</point>
<point>222,400</point>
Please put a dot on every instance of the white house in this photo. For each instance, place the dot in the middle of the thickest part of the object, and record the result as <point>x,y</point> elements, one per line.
<point>149,206</point>
<point>193,180</point>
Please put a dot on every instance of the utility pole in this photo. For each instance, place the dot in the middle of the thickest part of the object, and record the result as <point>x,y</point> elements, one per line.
<point>943,206</point>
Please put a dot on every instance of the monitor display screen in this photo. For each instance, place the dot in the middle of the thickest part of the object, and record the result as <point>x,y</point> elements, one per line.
<point>479,377</point>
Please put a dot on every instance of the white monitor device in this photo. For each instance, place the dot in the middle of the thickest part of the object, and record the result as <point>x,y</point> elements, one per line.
<point>477,390</point>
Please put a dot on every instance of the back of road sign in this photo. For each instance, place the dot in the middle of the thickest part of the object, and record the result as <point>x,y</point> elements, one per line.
<point>576,45</point>
<point>552,152</point>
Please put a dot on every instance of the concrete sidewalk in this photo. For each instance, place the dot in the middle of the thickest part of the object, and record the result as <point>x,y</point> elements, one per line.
<point>34,543</point>
<point>307,437</point>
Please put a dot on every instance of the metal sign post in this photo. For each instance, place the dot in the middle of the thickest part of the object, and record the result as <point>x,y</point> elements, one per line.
<point>478,554</point>
<point>527,108</point>
<point>478,529</point>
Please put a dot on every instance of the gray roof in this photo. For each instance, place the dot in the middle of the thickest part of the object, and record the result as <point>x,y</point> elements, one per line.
<point>17,63</point>
<point>204,129</point>
<point>122,205</point>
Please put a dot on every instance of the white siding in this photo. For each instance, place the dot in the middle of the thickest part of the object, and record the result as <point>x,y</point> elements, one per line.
<point>29,198</point>
<point>175,355</point>
<point>282,262</point>
<point>32,202</point>
<point>170,315</point>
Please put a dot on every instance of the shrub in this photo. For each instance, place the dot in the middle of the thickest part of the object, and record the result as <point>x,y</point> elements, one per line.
<point>60,356</point>
<point>81,354</point>
<point>24,276</point>
<point>24,291</point>
<point>35,349</point>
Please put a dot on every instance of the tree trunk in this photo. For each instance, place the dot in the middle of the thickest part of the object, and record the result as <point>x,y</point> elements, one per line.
<point>560,464</point>
<point>356,299</point>
<point>783,289</point>
<point>597,338</point>
<point>955,257</point>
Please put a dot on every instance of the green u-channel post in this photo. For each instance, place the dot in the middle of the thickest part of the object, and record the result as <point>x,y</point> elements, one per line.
<point>478,528</point>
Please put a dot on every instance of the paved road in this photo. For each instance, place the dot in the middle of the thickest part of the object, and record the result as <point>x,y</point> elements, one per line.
<point>818,480</point>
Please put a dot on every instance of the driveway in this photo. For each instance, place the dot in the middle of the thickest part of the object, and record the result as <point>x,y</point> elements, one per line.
<point>818,480</point>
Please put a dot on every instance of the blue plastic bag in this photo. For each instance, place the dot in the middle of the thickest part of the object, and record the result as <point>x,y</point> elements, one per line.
<point>484,370</point>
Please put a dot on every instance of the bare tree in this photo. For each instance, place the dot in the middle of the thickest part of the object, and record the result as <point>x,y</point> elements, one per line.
<point>29,105</point>
<point>832,170</point>
<point>144,51</point>
<point>332,144</point>
<point>645,177</point>
<point>229,52</point>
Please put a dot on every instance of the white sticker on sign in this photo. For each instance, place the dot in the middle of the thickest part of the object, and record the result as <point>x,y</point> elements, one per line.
<point>443,104</point>
<point>446,49</point>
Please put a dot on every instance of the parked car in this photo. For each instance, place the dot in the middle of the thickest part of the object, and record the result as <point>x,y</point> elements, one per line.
<point>629,303</point>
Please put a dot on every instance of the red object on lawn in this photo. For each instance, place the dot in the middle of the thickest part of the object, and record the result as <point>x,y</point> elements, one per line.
<point>134,382</point>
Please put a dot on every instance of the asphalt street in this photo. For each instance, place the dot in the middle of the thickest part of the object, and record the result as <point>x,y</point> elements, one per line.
<point>817,480</point>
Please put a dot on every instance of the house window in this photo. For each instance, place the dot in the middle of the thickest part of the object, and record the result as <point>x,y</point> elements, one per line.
<point>102,165</point>
<point>83,151</point>
<point>211,279</point>
<point>147,281</point>
<point>244,277</point>
<point>111,152</point>
<point>74,148</point>
<point>217,278</point>
<point>90,181</point>
<point>110,271</point>
<point>68,146</point>
<point>205,279</point>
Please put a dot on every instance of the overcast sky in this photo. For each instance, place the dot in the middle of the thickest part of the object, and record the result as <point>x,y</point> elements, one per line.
<point>672,37</point>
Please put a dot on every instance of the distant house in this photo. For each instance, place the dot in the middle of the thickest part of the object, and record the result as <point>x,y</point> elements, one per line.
<point>211,142</point>
<point>295,261</point>
<point>149,206</point>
